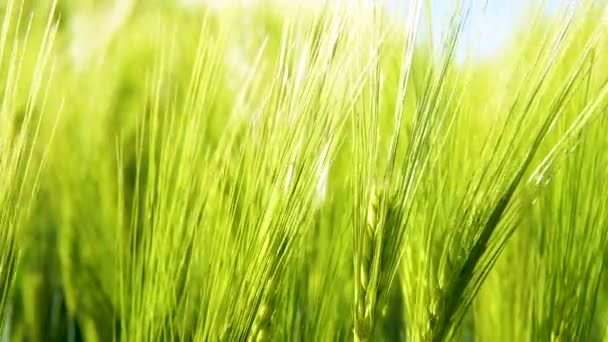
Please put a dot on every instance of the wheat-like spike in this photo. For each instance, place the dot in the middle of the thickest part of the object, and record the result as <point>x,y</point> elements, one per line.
<point>365,304</point>
<point>261,328</point>
<point>260,331</point>
<point>371,228</point>
<point>226,334</point>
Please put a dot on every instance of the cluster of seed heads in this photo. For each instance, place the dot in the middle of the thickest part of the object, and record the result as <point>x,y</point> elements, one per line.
<point>365,305</point>
<point>378,246</point>
<point>260,330</point>
<point>369,236</point>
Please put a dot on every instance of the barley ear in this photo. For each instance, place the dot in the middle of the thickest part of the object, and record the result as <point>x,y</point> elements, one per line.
<point>370,267</point>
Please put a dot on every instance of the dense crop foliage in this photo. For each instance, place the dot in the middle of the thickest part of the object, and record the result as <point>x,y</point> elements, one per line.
<point>266,171</point>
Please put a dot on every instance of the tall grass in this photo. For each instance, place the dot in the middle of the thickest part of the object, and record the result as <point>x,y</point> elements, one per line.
<point>23,99</point>
<point>268,172</point>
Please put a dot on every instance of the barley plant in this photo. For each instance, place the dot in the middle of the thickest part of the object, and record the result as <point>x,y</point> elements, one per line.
<point>274,170</point>
<point>25,57</point>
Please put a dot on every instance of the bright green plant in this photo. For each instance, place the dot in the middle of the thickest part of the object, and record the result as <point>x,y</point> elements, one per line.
<point>25,56</point>
<point>268,172</point>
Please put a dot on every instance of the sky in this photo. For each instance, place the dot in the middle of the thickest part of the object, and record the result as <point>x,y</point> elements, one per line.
<point>491,21</point>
